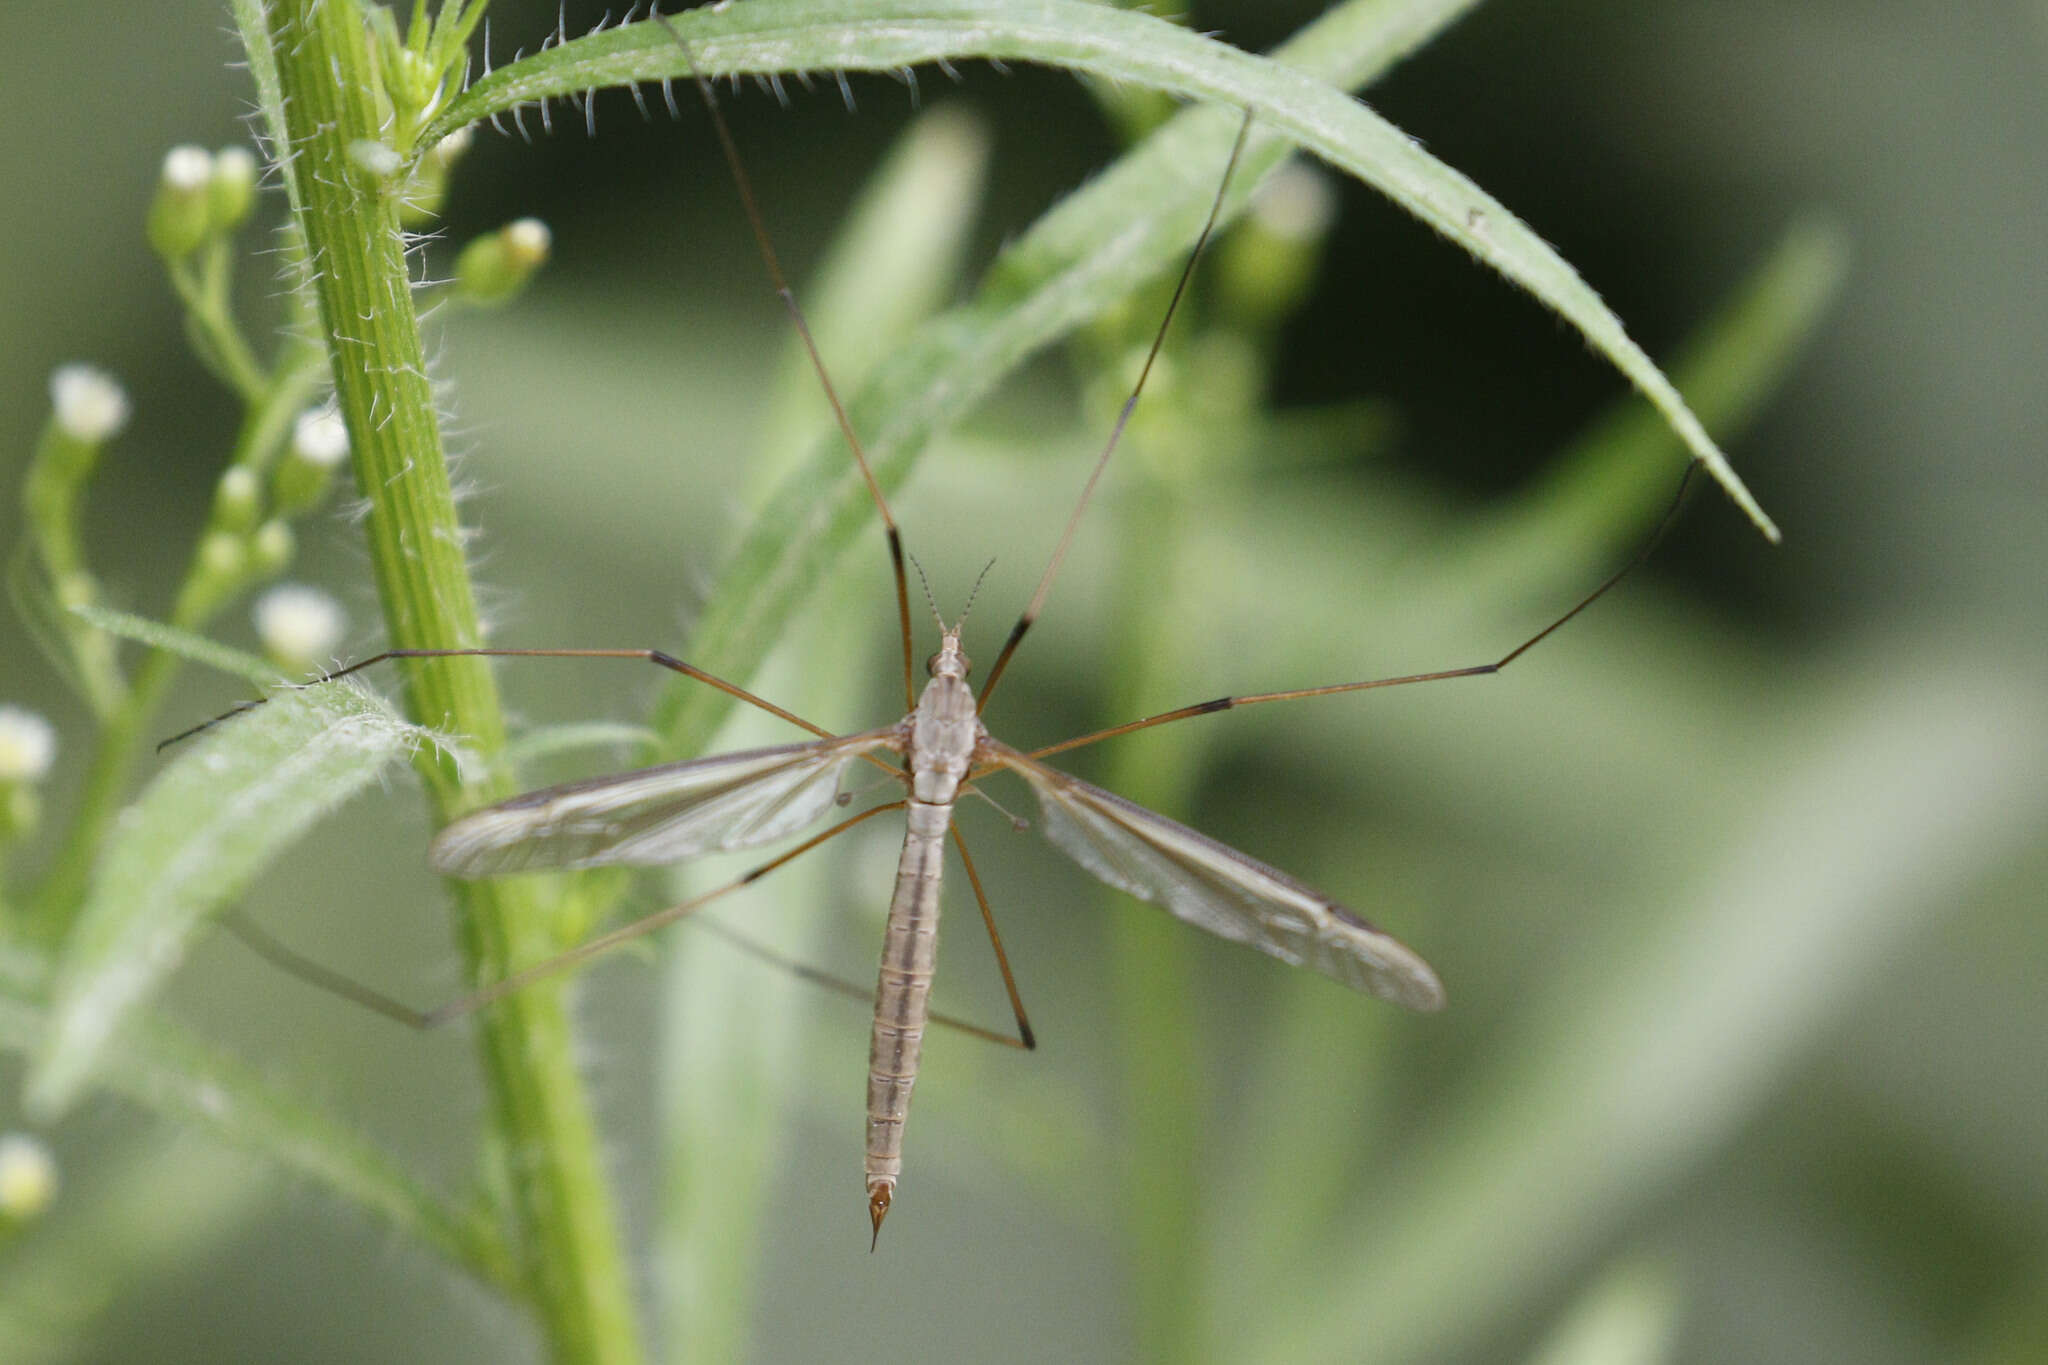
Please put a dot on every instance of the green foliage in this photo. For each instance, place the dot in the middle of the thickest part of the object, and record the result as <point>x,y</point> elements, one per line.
<point>1282,1174</point>
<point>188,846</point>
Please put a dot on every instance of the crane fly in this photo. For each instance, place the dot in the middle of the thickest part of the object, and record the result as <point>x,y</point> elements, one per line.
<point>938,752</point>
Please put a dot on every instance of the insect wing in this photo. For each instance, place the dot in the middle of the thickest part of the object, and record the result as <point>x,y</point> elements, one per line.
<point>1214,887</point>
<point>655,815</point>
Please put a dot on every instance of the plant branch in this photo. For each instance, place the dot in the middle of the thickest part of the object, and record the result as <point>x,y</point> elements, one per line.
<point>560,1202</point>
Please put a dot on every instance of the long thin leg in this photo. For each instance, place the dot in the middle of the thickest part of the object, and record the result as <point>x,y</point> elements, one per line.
<point>291,962</point>
<point>1471,671</point>
<point>803,331</point>
<point>840,986</point>
<point>1123,419</point>
<point>653,656</point>
<point>1025,1038</point>
<point>268,948</point>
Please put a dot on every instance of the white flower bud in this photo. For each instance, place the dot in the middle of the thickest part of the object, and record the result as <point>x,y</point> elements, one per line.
<point>28,745</point>
<point>187,169</point>
<point>236,165</point>
<point>1297,204</point>
<point>377,158</point>
<point>320,437</point>
<point>299,625</point>
<point>90,405</point>
<point>28,1176</point>
<point>236,498</point>
<point>232,193</point>
<point>495,267</point>
<point>450,148</point>
<point>528,241</point>
<point>180,216</point>
<point>271,548</point>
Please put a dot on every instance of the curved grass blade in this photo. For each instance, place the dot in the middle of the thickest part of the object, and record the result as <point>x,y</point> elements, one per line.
<point>199,834</point>
<point>1666,1038</point>
<point>167,1071</point>
<point>183,643</point>
<point>1292,104</point>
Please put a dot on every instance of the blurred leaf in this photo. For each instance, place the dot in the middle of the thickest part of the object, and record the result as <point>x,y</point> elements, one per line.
<point>549,740</point>
<point>1628,1316</point>
<point>201,831</point>
<point>184,643</point>
<point>804,35</point>
<point>162,1207</point>
<point>162,1068</point>
<point>2017,1332</point>
<point>1127,225</point>
<point>1542,541</point>
<point>1591,504</point>
<point>1665,1039</point>
<point>49,626</point>
<point>896,259</point>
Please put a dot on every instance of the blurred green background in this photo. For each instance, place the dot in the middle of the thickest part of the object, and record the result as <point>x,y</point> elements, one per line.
<point>1735,885</point>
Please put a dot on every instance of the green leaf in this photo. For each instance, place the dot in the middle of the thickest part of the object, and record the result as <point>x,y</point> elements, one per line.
<point>1121,230</point>
<point>184,643</point>
<point>200,832</point>
<point>894,261</point>
<point>550,740</point>
<point>171,1073</point>
<point>1292,104</point>
<point>1591,505</point>
<point>43,618</point>
<point>1666,1037</point>
<point>1628,1317</point>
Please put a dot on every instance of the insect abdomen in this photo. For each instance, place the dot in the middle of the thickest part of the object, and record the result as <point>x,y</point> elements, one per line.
<point>910,950</point>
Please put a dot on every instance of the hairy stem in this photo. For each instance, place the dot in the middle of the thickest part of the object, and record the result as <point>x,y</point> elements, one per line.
<point>561,1207</point>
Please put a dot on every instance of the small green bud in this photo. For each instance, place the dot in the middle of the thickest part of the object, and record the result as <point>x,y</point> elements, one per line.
<point>414,86</point>
<point>76,589</point>
<point>180,217</point>
<point>28,1177</point>
<point>236,499</point>
<point>494,268</point>
<point>231,194</point>
<point>1268,264</point>
<point>28,746</point>
<point>429,188</point>
<point>319,445</point>
<point>21,810</point>
<point>271,549</point>
<point>223,557</point>
<point>1225,377</point>
<point>299,626</point>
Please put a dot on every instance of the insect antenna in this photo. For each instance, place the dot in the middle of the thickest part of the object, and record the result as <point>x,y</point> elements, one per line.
<point>973,593</point>
<point>783,291</point>
<point>1123,419</point>
<point>1207,708</point>
<point>930,602</point>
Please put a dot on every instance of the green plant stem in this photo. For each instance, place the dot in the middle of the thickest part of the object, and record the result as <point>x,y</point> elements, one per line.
<point>1152,957</point>
<point>210,322</point>
<point>565,1229</point>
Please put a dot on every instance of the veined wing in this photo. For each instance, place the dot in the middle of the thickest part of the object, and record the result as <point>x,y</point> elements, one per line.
<point>656,815</point>
<point>1214,887</point>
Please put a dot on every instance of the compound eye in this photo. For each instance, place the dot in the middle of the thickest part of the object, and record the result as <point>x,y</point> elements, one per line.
<point>931,666</point>
<point>966,666</point>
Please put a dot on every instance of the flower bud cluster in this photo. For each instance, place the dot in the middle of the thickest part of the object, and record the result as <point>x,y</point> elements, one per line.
<point>201,196</point>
